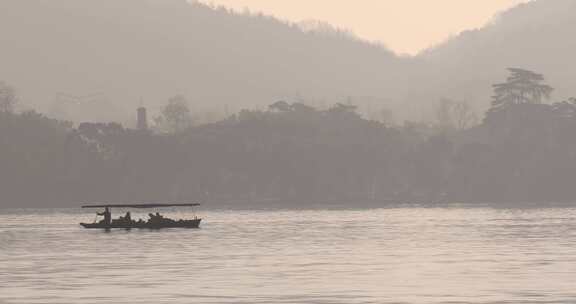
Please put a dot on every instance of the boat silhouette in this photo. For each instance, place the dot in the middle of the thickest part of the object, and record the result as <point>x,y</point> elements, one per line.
<point>156,221</point>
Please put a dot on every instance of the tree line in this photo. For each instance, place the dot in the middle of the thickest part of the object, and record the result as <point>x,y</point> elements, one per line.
<point>523,150</point>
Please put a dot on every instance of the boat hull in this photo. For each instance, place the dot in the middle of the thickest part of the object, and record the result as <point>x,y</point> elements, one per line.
<point>179,224</point>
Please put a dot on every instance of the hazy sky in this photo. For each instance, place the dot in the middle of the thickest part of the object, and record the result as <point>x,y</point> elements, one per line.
<point>406,26</point>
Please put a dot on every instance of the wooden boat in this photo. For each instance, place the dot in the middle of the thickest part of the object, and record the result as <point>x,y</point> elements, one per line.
<point>195,223</point>
<point>155,222</point>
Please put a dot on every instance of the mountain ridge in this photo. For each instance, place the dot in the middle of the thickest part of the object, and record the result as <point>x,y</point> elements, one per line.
<point>138,52</point>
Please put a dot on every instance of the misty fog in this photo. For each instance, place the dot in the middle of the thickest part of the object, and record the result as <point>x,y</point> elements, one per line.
<point>244,107</point>
<point>87,60</point>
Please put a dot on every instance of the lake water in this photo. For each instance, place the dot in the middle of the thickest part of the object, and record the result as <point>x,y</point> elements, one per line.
<point>396,255</point>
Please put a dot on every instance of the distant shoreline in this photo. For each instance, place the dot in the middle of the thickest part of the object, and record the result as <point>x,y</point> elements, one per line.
<point>266,206</point>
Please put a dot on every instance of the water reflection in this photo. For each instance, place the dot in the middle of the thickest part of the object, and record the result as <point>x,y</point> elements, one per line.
<point>404,255</point>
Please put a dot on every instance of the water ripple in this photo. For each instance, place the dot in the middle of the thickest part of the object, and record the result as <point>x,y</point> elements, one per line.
<point>403,255</point>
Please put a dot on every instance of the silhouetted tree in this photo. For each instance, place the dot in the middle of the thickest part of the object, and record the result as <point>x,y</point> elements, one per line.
<point>301,107</point>
<point>343,111</point>
<point>175,116</point>
<point>455,115</point>
<point>280,106</point>
<point>522,86</point>
<point>566,109</point>
<point>8,98</point>
<point>519,101</point>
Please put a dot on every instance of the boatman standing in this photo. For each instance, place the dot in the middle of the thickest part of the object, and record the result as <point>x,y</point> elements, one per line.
<point>107,216</point>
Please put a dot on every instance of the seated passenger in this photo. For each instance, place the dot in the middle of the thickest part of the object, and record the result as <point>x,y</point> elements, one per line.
<point>154,219</point>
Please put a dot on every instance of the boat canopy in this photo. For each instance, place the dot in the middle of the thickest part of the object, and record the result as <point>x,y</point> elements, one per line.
<point>140,206</point>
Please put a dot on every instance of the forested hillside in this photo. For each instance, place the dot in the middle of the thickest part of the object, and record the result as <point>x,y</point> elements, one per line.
<point>537,35</point>
<point>296,155</point>
<point>88,60</point>
<point>95,60</point>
